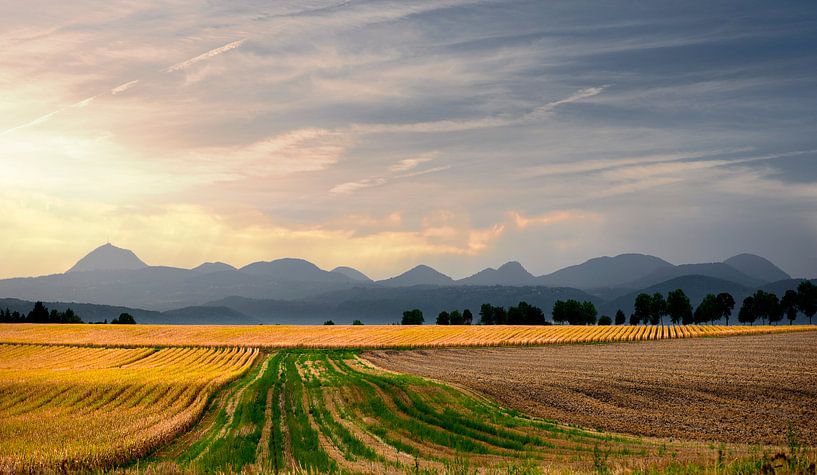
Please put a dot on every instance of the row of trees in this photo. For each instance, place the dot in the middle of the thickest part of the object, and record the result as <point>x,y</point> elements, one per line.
<point>762,305</point>
<point>647,310</point>
<point>521,314</point>
<point>455,317</point>
<point>574,312</point>
<point>40,314</point>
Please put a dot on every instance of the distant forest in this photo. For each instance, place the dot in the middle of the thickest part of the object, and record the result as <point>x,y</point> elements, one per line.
<point>41,314</point>
<point>648,310</point>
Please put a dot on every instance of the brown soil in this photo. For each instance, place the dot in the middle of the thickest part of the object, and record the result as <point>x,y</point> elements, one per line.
<point>745,389</point>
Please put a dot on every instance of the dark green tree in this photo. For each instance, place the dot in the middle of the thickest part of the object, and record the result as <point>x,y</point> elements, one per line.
<point>807,299</point>
<point>486,314</point>
<point>621,319</point>
<point>789,305</point>
<point>456,318</point>
<point>642,309</point>
<point>747,314</point>
<point>357,322</point>
<point>679,308</point>
<point>500,316</point>
<point>413,317</point>
<point>39,314</point>
<point>658,308</point>
<point>467,317</point>
<point>726,303</point>
<point>329,322</point>
<point>127,319</point>
<point>605,320</point>
<point>708,310</point>
<point>443,318</point>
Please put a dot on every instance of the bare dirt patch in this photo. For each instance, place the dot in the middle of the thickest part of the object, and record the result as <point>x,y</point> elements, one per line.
<point>745,389</point>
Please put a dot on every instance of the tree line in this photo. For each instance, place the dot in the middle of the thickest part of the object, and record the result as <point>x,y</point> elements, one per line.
<point>647,310</point>
<point>765,306</point>
<point>41,314</point>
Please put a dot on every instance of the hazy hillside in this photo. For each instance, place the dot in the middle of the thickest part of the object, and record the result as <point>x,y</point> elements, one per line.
<point>605,271</point>
<point>108,257</point>
<point>419,275</point>
<point>386,305</point>
<point>757,267</point>
<point>511,273</point>
<point>717,270</point>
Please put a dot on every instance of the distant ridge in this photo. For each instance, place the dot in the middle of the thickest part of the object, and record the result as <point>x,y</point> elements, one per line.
<point>419,275</point>
<point>757,267</point>
<point>606,271</point>
<point>510,273</point>
<point>210,267</point>
<point>352,273</point>
<point>108,257</point>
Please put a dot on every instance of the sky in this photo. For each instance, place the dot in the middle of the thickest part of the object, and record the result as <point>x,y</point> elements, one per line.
<point>459,134</point>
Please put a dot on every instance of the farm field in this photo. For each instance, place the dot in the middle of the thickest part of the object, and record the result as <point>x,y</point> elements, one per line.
<point>747,389</point>
<point>66,408</point>
<point>156,410</point>
<point>331,411</point>
<point>368,336</point>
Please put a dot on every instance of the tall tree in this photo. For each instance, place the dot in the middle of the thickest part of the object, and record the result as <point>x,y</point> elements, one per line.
<point>658,308</point>
<point>413,317</point>
<point>500,316</point>
<point>789,305</point>
<point>605,320</point>
<point>726,303</point>
<point>621,319</point>
<point>456,318</point>
<point>747,311</point>
<point>443,318</point>
<point>807,299</point>
<point>486,314</point>
<point>39,314</point>
<point>642,308</point>
<point>467,317</point>
<point>678,307</point>
<point>707,310</point>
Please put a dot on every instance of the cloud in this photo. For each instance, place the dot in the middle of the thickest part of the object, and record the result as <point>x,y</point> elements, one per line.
<point>205,56</point>
<point>411,163</point>
<point>522,221</point>
<point>124,87</point>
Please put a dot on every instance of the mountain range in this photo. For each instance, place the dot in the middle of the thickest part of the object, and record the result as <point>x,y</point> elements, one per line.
<point>297,291</point>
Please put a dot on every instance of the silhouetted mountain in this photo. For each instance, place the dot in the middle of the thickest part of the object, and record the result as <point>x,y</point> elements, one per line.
<point>210,267</point>
<point>294,270</point>
<point>511,273</point>
<point>354,274</point>
<point>420,275</point>
<point>717,270</point>
<point>757,267</point>
<point>383,305</point>
<point>206,315</point>
<point>108,257</point>
<point>605,271</point>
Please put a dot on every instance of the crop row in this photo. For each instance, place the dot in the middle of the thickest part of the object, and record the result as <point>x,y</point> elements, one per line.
<point>64,408</point>
<point>374,336</point>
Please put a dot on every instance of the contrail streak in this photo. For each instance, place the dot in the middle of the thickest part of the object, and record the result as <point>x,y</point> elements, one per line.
<point>125,86</point>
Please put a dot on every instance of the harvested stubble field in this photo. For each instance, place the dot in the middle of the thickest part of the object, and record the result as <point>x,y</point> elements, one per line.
<point>368,336</point>
<point>68,408</point>
<point>746,389</point>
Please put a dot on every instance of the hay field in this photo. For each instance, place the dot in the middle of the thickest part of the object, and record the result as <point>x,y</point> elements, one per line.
<point>68,408</point>
<point>368,336</point>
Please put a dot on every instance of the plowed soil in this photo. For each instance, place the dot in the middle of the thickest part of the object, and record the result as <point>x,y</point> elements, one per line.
<point>746,389</point>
